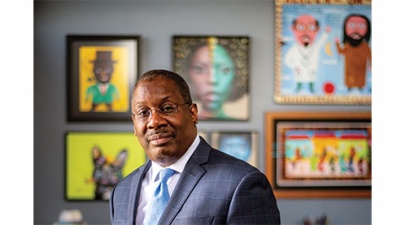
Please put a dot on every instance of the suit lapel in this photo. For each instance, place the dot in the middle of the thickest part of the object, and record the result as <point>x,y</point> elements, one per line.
<point>136,186</point>
<point>188,180</point>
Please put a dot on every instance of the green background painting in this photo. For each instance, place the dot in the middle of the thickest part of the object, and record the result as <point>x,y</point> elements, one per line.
<point>79,162</point>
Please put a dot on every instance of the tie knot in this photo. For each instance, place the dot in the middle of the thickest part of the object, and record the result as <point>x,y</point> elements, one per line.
<point>165,174</point>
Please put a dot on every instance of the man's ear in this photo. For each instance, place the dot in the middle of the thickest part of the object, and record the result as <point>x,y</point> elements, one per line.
<point>194,112</point>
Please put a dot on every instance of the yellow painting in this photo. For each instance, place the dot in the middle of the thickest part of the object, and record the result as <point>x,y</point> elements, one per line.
<point>101,73</point>
<point>96,161</point>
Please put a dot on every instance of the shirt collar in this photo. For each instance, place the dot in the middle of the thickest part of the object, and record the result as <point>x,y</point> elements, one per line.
<point>179,165</point>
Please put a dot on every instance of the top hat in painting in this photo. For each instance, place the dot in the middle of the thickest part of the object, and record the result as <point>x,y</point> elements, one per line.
<point>103,57</point>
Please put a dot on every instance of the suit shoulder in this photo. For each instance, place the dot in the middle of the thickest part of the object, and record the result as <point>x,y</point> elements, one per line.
<point>225,160</point>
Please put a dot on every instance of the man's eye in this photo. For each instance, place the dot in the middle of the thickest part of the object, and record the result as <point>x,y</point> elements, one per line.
<point>312,27</point>
<point>300,27</point>
<point>97,70</point>
<point>168,109</point>
<point>144,112</point>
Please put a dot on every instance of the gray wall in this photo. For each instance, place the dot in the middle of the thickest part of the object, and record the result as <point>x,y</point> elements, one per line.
<point>155,22</point>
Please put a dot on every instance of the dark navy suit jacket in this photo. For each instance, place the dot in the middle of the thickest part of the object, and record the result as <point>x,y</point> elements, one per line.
<point>214,188</point>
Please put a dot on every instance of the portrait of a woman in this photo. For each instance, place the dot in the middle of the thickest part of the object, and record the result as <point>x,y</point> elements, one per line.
<point>216,69</point>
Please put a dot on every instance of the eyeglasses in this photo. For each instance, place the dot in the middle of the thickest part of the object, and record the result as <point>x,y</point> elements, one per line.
<point>144,114</point>
<point>302,27</point>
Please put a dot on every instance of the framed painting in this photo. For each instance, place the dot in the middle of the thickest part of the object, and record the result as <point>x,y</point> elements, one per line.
<point>323,52</point>
<point>217,71</point>
<point>240,144</point>
<point>101,73</point>
<point>319,154</point>
<point>96,161</point>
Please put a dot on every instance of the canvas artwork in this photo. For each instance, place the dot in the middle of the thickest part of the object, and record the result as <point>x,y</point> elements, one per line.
<point>239,144</point>
<point>216,69</point>
<point>319,154</point>
<point>96,161</point>
<point>323,52</point>
<point>101,73</point>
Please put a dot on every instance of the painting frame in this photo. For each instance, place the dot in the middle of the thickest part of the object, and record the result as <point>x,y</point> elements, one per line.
<point>95,99</point>
<point>234,139</point>
<point>335,77</point>
<point>285,130</point>
<point>215,102</point>
<point>91,162</point>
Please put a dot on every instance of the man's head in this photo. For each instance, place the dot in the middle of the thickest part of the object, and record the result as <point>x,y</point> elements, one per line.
<point>305,29</point>
<point>164,116</point>
<point>356,29</point>
<point>103,66</point>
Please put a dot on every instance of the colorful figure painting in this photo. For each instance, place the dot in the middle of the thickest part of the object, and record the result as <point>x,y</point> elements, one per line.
<point>101,73</point>
<point>104,79</point>
<point>325,153</point>
<point>323,53</point>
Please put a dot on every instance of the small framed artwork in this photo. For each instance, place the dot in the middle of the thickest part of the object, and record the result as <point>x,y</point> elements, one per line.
<point>319,154</point>
<point>241,144</point>
<point>217,71</point>
<point>315,48</point>
<point>96,161</point>
<point>101,73</point>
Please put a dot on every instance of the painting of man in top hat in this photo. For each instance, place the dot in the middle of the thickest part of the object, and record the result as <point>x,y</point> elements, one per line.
<point>101,73</point>
<point>103,92</point>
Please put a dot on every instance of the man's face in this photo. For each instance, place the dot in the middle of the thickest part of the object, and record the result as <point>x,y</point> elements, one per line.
<point>164,138</point>
<point>103,71</point>
<point>356,27</point>
<point>305,30</point>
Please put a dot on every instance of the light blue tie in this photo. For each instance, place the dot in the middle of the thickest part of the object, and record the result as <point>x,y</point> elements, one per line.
<point>160,198</point>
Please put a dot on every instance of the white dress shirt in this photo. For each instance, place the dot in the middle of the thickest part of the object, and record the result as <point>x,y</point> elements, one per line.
<point>151,178</point>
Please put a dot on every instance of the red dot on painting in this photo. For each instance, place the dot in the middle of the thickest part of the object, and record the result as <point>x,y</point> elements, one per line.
<point>329,88</point>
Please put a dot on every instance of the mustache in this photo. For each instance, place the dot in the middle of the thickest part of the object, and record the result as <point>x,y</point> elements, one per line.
<point>355,34</point>
<point>160,133</point>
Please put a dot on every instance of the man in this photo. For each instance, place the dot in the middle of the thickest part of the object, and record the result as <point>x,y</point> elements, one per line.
<point>356,51</point>
<point>208,186</point>
<point>303,57</point>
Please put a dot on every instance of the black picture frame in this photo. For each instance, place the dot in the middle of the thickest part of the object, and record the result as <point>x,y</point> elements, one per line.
<point>85,51</point>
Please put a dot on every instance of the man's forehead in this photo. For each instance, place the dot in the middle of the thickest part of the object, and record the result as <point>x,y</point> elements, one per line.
<point>306,19</point>
<point>356,19</point>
